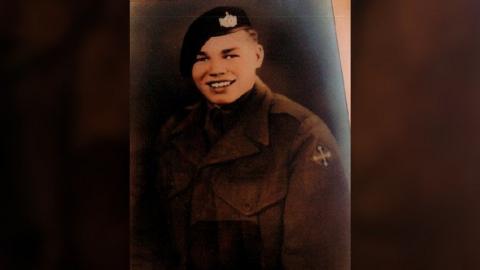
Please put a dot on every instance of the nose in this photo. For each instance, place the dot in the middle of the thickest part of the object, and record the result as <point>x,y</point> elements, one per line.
<point>217,68</point>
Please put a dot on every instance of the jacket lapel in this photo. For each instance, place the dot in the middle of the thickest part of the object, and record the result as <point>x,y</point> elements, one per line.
<point>244,139</point>
<point>247,136</point>
<point>188,138</point>
<point>233,145</point>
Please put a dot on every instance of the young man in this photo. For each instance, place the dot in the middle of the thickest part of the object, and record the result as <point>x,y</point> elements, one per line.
<point>245,179</point>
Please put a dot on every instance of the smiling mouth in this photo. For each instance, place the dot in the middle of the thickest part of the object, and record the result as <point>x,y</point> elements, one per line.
<point>220,84</point>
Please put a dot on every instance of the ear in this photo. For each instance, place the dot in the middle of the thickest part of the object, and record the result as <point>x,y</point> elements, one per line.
<point>260,54</point>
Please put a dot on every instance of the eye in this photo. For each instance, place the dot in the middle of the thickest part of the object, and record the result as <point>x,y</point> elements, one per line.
<point>230,56</point>
<point>201,59</point>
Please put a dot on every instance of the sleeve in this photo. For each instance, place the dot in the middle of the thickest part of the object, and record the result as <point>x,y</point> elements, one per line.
<point>316,232</point>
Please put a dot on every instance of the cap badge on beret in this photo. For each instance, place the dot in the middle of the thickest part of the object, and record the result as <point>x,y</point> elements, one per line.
<point>228,21</point>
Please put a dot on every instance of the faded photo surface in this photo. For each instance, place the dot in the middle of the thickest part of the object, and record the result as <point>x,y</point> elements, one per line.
<point>239,137</point>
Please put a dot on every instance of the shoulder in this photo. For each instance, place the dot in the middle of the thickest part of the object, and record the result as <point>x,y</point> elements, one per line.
<point>306,130</point>
<point>307,121</point>
<point>283,105</point>
<point>288,113</point>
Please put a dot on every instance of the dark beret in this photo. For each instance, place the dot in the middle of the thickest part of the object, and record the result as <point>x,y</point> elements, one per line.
<point>215,22</point>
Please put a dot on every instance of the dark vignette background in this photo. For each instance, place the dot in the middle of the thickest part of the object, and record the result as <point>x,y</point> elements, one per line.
<point>416,135</point>
<point>64,139</point>
<point>64,170</point>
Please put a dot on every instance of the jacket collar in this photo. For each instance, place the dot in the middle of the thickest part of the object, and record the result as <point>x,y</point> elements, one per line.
<point>258,113</point>
<point>246,138</point>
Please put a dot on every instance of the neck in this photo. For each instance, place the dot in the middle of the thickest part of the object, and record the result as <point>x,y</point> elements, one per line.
<point>234,105</point>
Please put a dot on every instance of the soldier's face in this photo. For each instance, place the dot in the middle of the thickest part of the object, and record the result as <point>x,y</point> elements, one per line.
<point>225,67</point>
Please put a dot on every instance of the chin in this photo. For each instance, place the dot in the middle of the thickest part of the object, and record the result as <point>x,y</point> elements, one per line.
<point>221,101</point>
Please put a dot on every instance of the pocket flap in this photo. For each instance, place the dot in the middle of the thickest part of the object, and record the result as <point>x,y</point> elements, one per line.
<point>250,196</point>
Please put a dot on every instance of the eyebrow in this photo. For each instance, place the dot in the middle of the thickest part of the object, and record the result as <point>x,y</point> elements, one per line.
<point>225,51</point>
<point>228,50</point>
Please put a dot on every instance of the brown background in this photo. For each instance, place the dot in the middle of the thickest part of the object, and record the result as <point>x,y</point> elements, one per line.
<point>416,130</point>
<point>64,170</point>
<point>343,20</point>
<point>65,149</point>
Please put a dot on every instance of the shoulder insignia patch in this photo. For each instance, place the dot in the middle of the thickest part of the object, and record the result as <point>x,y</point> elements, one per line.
<point>321,156</point>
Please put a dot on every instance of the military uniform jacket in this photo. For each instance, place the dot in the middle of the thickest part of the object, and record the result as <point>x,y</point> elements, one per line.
<point>270,194</point>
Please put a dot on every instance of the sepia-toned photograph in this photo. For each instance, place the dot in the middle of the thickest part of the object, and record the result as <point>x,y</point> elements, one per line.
<point>240,136</point>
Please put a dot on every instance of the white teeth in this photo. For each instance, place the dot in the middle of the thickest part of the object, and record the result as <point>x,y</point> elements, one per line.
<point>220,84</point>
